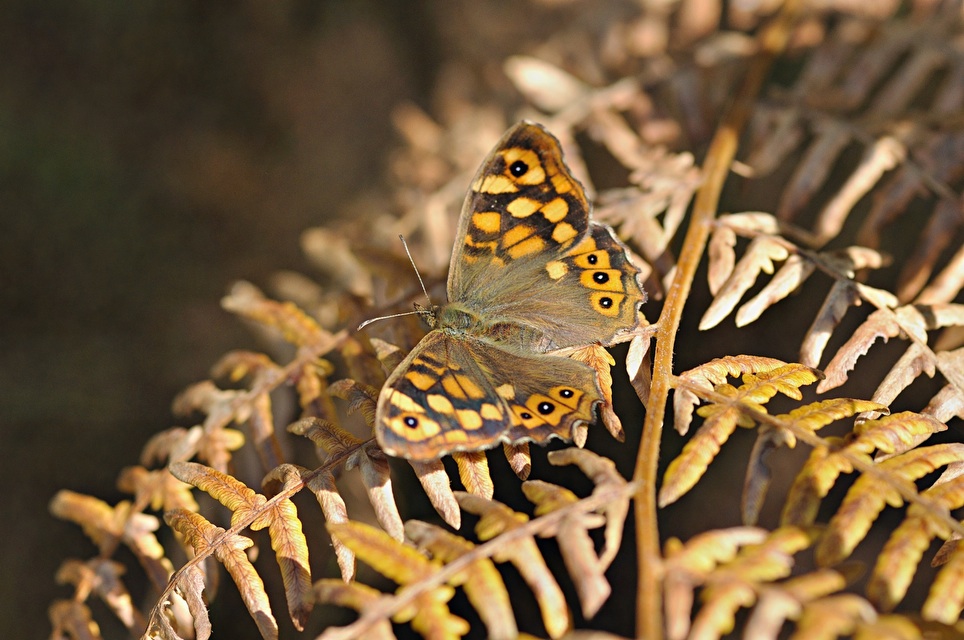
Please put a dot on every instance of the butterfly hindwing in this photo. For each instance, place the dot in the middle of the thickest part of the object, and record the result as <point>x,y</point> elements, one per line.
<point>463,395</point>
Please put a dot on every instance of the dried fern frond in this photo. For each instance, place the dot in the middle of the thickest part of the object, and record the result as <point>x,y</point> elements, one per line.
<point>722,420</point>
<point>865,136</point>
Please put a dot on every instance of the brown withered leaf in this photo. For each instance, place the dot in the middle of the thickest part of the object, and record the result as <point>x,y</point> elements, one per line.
<point>474,472</point>
<point>830,139</point>
<point>721,421</point>
<point>786,600</point>
<point>236,365</point>
<point>947,284</point>
<point>639,366</point>
<point>519,458</point>
<point>481,581</point>
<point>360,397</point>
<point>839,299</point>
<point>937,236</point>
<point>791,275</point>
<point>190,588</point>
<point>333,506</point>
<point>545,85</point>
<point>601,362</point>
<point>171,445</point>
<point>429,613</point>
<point>602,471</point>
<point>884,154</point>
<point>292,323</point>
<point>898,561</point>
<point>328,436</point>
<point>759,257</point>
<point>572,534</point>
<point>524,555</point>
<point>156,489</point>
<point>312,386</point>
<point>388,354</point>
<point>911,365</point>
<point>435,481</point>
<point>812,417</point>
<point>377,478</point>
<point>205,537</point>
<point>333,253</point>
<point>868,496</point>
<point>70,618</point>
<point>103,577</point>
<point>363,365</point>
<point>721,250</point>
<point>108,526</point>
<point>288,542</point>
<point>244,502</point>
<point>262,430</point>
<point>356,596</point>
<point>215,446</point>
<point>723,242</point>
<point>882,323</point>
<point>706,376</point>
<point>947,403</point>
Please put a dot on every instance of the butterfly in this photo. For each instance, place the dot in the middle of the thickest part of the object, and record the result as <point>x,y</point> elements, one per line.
<point>530,274</point>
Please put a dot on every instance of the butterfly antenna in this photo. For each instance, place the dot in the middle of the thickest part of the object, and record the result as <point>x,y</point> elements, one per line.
<point>394,315</point>
<point>417,274</point>
<point>407,313</point>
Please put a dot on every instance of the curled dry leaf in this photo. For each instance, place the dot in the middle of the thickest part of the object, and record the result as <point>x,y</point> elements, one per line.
<point>377,479</point>
<point>435,481</point>
<point>204,538</point>
<point>639,366</point>
<point>759,257</point>
<point>602,472</point>
<point>706,376</point>
<point>868,496</point>
<point>545,85</point>
<point>429,613</point>
<point>811,417</point>
<point>519,458</point>
<point>601,361</point>
<point>901,555</point>
<point>333,506</point>
<point>293,324</point>
<point>474,472</point>
<point>356,596</point>
<point>722,419</point>
<point>578,551</point>
<point>481,581</point>
<point>524,555</point>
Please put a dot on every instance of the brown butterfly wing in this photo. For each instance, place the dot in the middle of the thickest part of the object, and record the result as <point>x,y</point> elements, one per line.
<point>452,394</point>
<point>527,253</point>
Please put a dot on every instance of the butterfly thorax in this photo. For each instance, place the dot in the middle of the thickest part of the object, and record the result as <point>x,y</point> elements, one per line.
<point>457,319</point>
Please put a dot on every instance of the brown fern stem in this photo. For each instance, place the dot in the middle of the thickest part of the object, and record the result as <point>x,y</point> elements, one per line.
<point>772,41</point>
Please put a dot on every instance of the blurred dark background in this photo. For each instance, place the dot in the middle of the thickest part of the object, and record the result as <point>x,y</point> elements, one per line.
<point>150,154</point>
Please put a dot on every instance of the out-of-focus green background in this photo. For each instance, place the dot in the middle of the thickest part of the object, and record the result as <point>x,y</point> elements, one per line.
<point>152,152</point>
